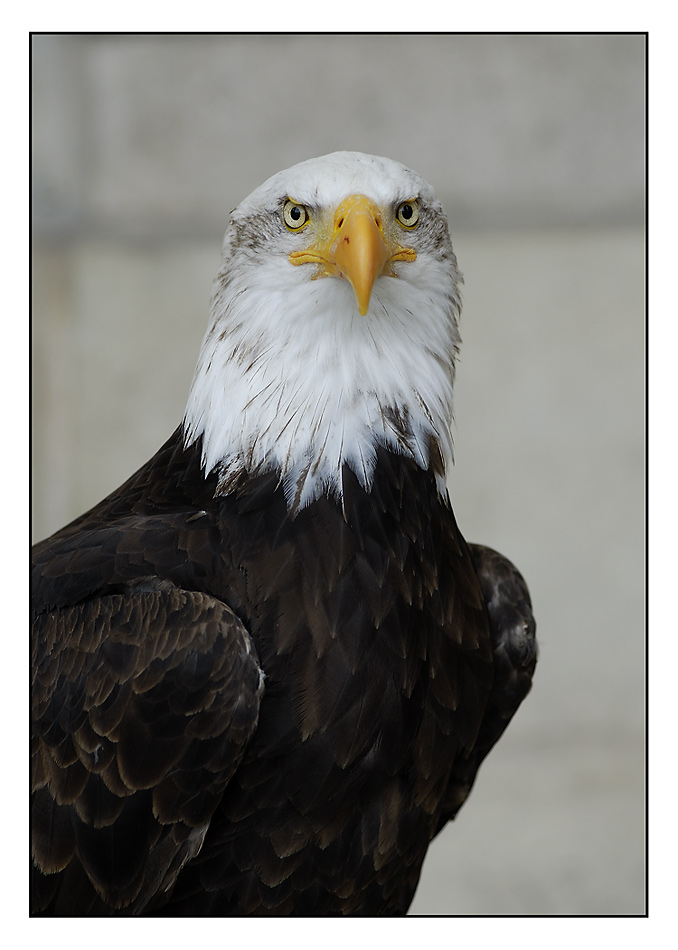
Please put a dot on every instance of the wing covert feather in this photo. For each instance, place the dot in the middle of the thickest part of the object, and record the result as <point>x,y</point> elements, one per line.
<point>143,704</point>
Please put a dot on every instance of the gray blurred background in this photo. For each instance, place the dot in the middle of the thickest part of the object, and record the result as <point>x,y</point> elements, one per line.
<point>535,144</point>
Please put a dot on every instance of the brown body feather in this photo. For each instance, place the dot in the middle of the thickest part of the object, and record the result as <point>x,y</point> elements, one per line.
<point>169,780</point>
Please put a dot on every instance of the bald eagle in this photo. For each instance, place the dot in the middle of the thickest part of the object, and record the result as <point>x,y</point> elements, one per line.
<point>267,668</point>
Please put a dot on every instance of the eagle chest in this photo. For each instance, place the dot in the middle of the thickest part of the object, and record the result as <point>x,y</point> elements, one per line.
<point>361,620</point>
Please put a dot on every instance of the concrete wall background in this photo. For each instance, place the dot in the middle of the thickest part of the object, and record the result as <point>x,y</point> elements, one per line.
<point>535,144</point>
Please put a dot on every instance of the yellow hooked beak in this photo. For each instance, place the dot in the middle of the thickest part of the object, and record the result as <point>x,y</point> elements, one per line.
<point>356,248</point>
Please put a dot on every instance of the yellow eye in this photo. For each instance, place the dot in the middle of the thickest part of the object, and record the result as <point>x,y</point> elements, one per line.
<point>408,214</point>
<point>295,215</point>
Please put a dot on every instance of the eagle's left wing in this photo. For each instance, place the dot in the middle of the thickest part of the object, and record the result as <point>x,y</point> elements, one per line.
<point>143,704</point>
<point>514,650</point>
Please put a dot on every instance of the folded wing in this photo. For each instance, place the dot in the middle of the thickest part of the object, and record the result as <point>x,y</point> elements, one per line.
<point>143,704</point>
<point>514,648</point>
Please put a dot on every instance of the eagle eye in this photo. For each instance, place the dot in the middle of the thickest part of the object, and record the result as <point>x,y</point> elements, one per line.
<point>295,215</point>
<point>407,214</point>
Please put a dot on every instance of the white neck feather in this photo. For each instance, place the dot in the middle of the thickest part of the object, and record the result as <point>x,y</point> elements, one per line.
<point>302,383</point>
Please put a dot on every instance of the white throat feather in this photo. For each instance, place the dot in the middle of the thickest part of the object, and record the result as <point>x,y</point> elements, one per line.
<point>291,377</point>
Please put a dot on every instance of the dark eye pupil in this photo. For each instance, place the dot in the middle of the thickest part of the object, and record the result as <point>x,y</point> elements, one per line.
<point>406,212</point>
<point>295,213</point>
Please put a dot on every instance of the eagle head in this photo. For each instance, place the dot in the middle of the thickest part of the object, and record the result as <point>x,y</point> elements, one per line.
<point>333,329</point>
